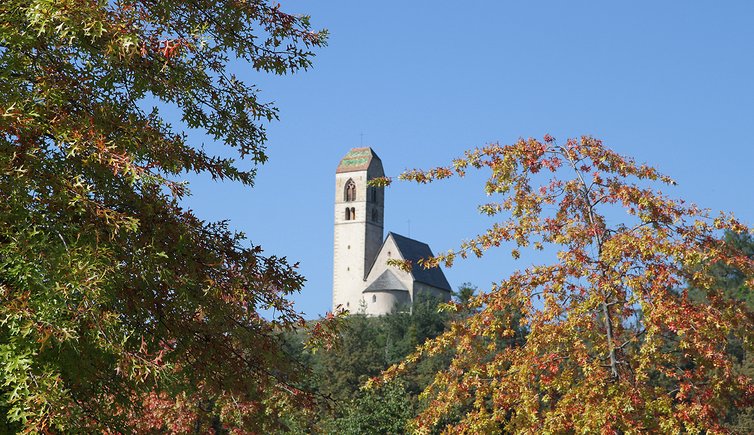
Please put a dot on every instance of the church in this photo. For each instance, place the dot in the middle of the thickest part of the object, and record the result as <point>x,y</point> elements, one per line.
<point>362,280</point>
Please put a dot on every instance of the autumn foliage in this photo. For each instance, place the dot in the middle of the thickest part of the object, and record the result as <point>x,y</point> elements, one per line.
<point>616,344</point>
<point>120,310</point>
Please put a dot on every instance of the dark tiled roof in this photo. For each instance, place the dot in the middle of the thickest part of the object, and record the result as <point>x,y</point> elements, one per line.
<point>386,281</point>
<point>358,159</point>
<point>413,250</point>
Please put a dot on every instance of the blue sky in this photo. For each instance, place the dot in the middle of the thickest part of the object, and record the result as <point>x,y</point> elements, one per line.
<point>669,83</point>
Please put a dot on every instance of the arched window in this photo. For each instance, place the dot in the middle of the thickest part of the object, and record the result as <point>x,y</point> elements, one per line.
<point>353,213</point>
<point>374,298</point>
<point>350,191</point>
<point>348,214</point>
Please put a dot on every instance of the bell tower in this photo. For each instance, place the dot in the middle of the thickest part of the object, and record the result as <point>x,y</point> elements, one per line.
<point>359,220</point>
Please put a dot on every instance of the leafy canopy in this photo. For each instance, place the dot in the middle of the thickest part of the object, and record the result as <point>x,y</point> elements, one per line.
<point>616,344</point>
<point>361,348</point>
<point>119,309</point>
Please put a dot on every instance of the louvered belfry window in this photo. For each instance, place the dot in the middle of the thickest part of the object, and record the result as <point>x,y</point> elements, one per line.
<point>350,191</point>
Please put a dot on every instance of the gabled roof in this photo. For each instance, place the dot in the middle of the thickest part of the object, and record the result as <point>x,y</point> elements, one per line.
<point>358,159</point>
<point>385,282</point>
<point>414,250</point>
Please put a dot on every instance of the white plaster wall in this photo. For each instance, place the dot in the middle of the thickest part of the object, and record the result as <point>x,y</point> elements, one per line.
<point>389,250</point>
<point>356,241</point>
<point>380,303</point>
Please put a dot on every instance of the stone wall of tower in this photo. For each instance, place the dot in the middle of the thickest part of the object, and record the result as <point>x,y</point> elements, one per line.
<point>357,237</point>
<point>375,218</point>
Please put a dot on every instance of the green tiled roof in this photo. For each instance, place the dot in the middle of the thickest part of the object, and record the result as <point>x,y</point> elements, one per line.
<point>358,159</point>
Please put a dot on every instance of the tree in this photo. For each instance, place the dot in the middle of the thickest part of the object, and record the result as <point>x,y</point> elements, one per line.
<point>122,311</point>
<point>731,279</point>
<point>615,342</point>
<point>358,355</point>
<point>465,293</point>
<point>368,345</point>
<point>359,348</point>
<point>376,412</point>
<point>732,282</point>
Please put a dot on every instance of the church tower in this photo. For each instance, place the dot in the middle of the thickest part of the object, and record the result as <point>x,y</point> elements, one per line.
<point>359,220</point>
